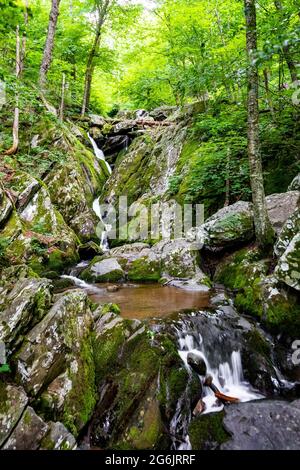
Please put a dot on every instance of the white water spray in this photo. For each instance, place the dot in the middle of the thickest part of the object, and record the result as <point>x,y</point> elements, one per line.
<point>99,154</point>
<point>227,376</point>
<point>83,285</point>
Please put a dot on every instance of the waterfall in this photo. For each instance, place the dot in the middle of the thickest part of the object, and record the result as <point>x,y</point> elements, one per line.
<point>227,377</point>
<point>99,154</point>
<point>83,285</point>
<point>104,245</point>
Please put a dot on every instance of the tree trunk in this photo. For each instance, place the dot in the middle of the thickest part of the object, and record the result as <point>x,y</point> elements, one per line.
<point>23,49</point>
<point>102,12</point>
<point>47,56</point>
<point>263,229</point>
<point>286,48</point>
<point>268,94</point>
<point>227,191</point>
<point>15,131</point>
<point>62,101</point>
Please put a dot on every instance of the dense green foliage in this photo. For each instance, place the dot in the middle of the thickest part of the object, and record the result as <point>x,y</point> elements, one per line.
<point>164,52</point>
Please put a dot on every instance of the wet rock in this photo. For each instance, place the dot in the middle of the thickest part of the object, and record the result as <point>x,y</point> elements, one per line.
<point>281,207</point>
<point>29,432</point>
<point>295,184</point>
<point>197,363</point>
<point>103,270</point>
<point>58,438</point>
<point>142,363</point>
<point>114,144</point>
<point>27,304</point>
<point>206,432</point>
<point>13,401</point>
<point>89,250</point>
<point>288,267</point>
<point>263,425</point>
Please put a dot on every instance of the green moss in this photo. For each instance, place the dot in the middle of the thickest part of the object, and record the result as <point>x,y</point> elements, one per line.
<point>207,431</point>
<point>3,398</point>
<point>144,270</point>
<point>81,401</point>
<point>114,308</point>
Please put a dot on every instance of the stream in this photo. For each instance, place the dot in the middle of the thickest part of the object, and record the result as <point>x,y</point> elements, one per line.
<point>199,323</point>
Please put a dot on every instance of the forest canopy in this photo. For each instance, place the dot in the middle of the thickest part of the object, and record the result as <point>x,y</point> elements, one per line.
<point>153,53</point>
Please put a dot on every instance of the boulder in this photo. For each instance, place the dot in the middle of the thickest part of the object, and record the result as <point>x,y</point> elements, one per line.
<point>263,425</point>
<point>57,353</point>
<point>288,232</point>
<point>28,433</point>
<point>281,207</point>
<point>26,304</point>
<point>288,267</point>
<point>295,184</point>
<point>38,235</point>
<point>25,186</point>
<point>228,227</point>
<point>103,270</point>
<point>58,438</point>
<point>96,120</point>
<point>13,401</point>
<point>197,363</point>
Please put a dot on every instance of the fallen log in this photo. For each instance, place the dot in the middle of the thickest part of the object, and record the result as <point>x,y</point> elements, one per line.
<point>143,122</point>
<point>221,396</point>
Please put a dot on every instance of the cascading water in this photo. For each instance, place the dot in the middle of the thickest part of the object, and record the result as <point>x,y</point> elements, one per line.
<point>227,377</point>
<point>104,245</point>
<point>83,285</point>
<point>99,154</point>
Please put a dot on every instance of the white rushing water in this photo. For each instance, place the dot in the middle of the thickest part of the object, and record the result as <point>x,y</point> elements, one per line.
<point>227,376</point>
<point>104,245</point>
<point>99,154</point>
<point>83,285</point>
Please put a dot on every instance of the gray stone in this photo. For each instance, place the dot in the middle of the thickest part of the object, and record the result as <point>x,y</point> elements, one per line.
<point>288,267</point>
<point>281,207</point>
<point>28,433</point>
<point>26,304</point>
<point>58,438</point>
<point>13,401</point>
<point>197,363</point>
<point>263,425</point>
<point>229,226</point>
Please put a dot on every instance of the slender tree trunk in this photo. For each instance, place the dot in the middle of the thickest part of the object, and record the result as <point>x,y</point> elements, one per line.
<point>102,12</point>
<point>227,191</point>
<point>62,102</point>
<point>15,130</point>
<point>263,229</point>
<point>286,48</point>
<point>48,49</point>
<point>23,49</point>
<point>268,94</point>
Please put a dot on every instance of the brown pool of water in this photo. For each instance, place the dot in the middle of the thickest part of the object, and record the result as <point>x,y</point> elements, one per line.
<point>150,300</point>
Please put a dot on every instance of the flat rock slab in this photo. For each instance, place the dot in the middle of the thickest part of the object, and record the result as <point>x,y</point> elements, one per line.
<point>263,425</point>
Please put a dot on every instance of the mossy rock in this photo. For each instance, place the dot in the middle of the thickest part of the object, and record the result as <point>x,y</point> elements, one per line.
<point>207,432</point>
<point>144,269</point>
